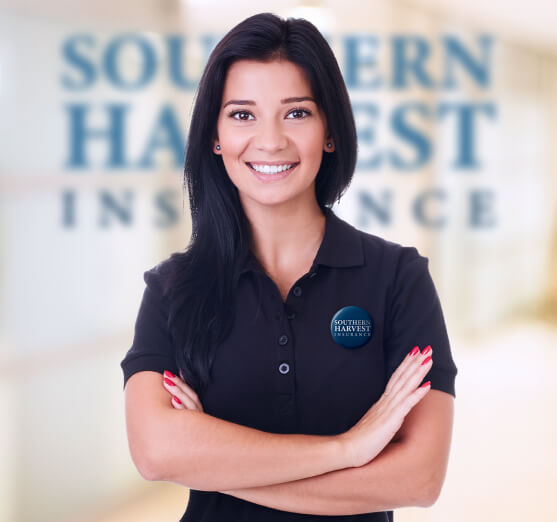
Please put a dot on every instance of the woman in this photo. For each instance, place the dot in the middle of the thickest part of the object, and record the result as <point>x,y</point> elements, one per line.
<point>288,339</point>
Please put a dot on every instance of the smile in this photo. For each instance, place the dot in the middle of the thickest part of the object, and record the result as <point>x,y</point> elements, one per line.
<point>268,173</point>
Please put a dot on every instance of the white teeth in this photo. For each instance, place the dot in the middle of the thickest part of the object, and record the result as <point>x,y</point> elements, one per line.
<point>268,169</point>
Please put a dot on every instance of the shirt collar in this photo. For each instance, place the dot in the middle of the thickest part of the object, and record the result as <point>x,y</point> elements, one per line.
<point>341,246</point>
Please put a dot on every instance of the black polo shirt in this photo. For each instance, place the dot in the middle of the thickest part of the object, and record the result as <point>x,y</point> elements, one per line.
<point>280,370</point>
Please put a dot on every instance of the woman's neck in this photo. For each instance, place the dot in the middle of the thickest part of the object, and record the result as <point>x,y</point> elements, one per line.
<point>286,235</point>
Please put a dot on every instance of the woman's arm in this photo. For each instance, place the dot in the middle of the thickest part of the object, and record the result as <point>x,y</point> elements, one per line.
<point>186,447</point>
<point>233,449</point>
<point>409,472</point>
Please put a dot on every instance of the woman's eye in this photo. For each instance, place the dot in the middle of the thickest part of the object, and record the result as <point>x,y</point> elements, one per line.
<point>295,111</point>
<point>233,115</point>
<point>300,111</point>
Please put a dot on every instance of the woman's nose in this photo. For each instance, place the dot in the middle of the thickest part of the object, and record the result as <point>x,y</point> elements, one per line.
<point>271,137</point>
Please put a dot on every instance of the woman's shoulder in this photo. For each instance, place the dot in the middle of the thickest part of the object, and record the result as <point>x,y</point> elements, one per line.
<point>160,276</point>
<point>390,253</point>
<point>401,268</point>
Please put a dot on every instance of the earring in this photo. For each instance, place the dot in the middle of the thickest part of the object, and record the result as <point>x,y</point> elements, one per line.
<point>218,147</point>
<point>329,144</point>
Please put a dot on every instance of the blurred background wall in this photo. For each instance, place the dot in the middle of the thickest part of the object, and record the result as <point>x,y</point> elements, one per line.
<point>457,156</point>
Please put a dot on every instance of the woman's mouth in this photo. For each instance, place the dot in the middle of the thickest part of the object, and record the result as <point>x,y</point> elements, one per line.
<point>271,175</point>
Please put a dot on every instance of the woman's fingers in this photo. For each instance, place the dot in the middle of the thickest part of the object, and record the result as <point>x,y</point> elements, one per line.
<point>413,375</point>
<point>177,403</point>
<point>398,371</point>
<point>410,372</point>
<point>402,367</point>
<point>414,398</point>
<point>178,388</point>
<point>180,398</point>
<point>367,438</point>
<point>405,391</point>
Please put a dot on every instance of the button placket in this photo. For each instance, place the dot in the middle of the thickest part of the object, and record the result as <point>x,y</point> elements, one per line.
<point>284,402</point>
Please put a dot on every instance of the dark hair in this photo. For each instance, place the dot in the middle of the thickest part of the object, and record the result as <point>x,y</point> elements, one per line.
<point>201,281</point>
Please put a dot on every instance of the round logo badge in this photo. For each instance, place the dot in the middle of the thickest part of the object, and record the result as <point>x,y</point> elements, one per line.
<point>351,327</point>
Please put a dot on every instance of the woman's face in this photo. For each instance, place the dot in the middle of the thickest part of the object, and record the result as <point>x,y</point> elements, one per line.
<point>268,116</point>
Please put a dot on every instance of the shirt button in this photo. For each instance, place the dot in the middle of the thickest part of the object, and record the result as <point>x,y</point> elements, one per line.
<point>291,315</point>
<point>283,339</point>
<point>297,291</point>
<point>284,368</point>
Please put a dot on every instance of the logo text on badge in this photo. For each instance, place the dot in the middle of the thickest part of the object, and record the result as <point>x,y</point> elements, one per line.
<point>351,327</point>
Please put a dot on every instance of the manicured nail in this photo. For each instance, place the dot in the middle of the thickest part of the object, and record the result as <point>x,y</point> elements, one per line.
<point>176,399</point>
<point>425,384</point>
<point>426,350</point>
<point>425,361</point>
<point>415,350</point>
<point>169,374</point>
<point>169,382</point>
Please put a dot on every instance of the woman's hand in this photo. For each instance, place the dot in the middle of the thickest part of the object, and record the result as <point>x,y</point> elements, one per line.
<point>183,396</point>
<point>367,438</point>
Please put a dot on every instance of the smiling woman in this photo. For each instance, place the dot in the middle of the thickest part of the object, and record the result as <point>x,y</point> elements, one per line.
<point>280,140</point>
<point>277,419</point>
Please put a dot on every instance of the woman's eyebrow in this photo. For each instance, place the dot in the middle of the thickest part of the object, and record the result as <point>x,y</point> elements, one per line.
<point>284,100</point>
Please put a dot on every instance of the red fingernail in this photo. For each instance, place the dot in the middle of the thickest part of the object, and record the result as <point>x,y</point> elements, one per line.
<point>415,350</point>
<point>425,361</point>
<point>425,384</point>
<point>176,399</point>
<point>169,382</point>
<point>427,349</point>
<point>169,374</point>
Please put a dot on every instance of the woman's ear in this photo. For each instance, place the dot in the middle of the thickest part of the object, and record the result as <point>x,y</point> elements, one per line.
<point>215,141</point>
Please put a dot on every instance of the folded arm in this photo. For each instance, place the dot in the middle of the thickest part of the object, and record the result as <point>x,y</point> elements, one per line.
<point>188,447</point>
<point>408,472</point>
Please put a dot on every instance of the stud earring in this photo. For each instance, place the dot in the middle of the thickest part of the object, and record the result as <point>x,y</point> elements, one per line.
<point>329,144</point>
<point>218,147</point>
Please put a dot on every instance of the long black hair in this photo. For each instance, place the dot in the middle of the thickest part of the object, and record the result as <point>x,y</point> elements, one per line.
<point>201,280</point>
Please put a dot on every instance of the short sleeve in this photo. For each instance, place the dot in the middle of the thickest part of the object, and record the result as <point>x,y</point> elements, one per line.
<point>152,347</point>
<point>415,317</point>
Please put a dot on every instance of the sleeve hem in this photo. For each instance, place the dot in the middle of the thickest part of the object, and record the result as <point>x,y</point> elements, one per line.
<point>147,362</point>
<point>441,379</point>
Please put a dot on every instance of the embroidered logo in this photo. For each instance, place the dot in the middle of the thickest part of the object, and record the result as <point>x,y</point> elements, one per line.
<point>351,327</point>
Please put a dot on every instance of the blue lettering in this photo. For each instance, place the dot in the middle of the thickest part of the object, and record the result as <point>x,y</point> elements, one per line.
<point>166,134</point>
<point>466,130</point>
<point>480,209</point>
<point>401,128</point>
<point>176,64</point>
<point>456,52</point>
<point>79,135</point>
<point>148,62</point>
<point>368,206</point>
<point>353,45</point>
<point>71,52</point>
<point>419,208</point>
<point>163,202</point>
<point>367,134</point>
<point>110,206</point>
<point>403,65</point>
<point>68,208</point>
